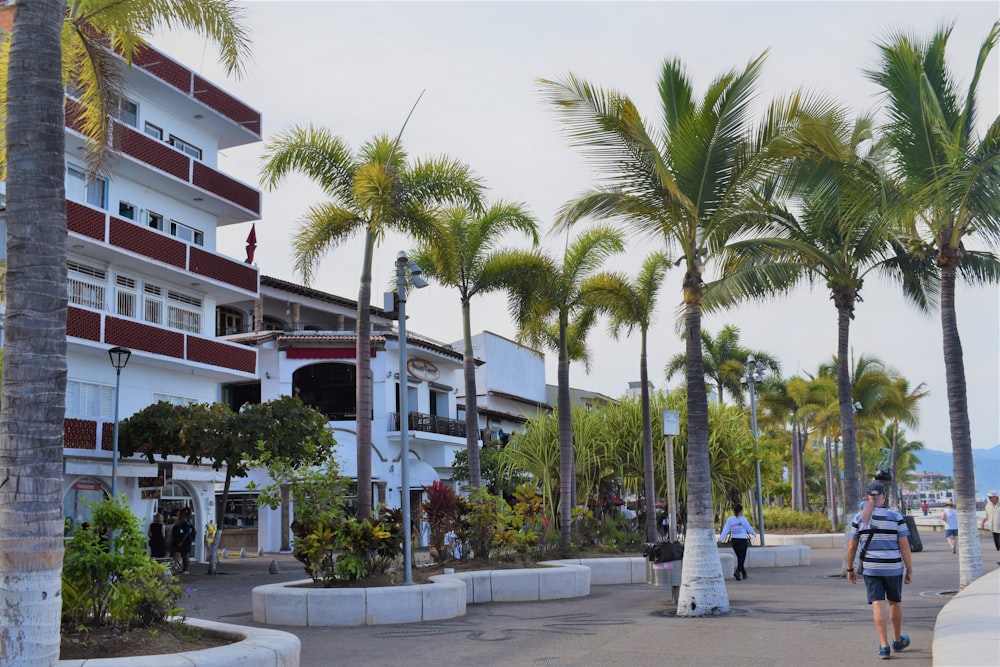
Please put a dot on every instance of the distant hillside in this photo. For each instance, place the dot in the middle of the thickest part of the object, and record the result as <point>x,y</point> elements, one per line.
<point>987,466</point>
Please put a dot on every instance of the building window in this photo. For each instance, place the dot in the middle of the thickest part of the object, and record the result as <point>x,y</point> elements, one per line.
<point>154,220</point>
<point>228,322</point>
<point>78,500</point>
<point>270,323</point>
<point>86,285</point>
<point>183,312</point>
<point>87,400</point>
<point>185,233</point>
<point>126,210</point>
<point>126,297</point>
<point>185,147</point>
<point>128,113</point>
<point>91,190</point>
<point>173,399</point>
<point>241,511</point>
<point>153,131</point>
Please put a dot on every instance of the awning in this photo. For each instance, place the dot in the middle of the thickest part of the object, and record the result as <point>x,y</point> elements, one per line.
<point>103,468</point>
<point>197,474</point>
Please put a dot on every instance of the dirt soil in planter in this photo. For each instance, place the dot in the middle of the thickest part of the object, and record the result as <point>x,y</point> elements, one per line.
<point>161,639</point>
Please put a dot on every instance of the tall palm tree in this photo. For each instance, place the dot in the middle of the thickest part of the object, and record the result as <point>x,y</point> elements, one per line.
<point>465,255</point>
<point>683,182</point>
<point>34,372</point>
<point>551,308</point>
<point>840,235</point>
<point>725,361</point>
<point>900,404</point>
<point>630,305</point>
<point>950,177</point>
<point>369,193</point>
<point>49,49</point>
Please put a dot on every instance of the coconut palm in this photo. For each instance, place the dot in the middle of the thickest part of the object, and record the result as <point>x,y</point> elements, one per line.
<point>630,306</point>
<point>370,193</point>
<point>550,306</point>
<point>49,49</point>
<point>725,361</point>
<point>465,254</point>
<point>840,236</point>
<point>950,177</point>
<point>683,182</point>
<point>900,404</point>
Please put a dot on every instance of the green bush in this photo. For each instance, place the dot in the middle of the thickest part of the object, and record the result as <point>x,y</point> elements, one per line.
<point>778,518</point>
<point>108,578</point>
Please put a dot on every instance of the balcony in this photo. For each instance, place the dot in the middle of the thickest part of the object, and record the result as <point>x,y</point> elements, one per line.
<point>423,423</point>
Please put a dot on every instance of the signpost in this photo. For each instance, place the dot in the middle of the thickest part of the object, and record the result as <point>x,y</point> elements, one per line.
<point>671,427</point>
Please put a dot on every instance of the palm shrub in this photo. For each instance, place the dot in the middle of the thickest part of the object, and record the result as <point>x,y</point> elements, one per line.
<point>442,509</point>
<point>485,530</point>
<point>785,518</point>
<point>108,578</point>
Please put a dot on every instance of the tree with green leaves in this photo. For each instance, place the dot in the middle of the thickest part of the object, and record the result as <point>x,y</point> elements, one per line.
<point>725,361</point>
<point>949,176</point>
<point>683,182</point>
<point>369,193</point>
<point>50,49</point>
<point>466,255</point>
<point>283,429</point>
<point>629,306</point>
<point>550,306</point>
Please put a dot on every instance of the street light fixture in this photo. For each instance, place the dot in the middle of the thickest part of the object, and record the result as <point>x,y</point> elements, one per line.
<point>754,374</point>
<point>119,357</point>
<point>407,275</point>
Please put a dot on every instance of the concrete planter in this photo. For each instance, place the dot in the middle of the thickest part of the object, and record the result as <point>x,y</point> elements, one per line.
<point>258,647</point>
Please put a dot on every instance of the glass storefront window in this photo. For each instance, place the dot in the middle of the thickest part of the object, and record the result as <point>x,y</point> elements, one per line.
<point>77,500</point>
<point>241,511</point>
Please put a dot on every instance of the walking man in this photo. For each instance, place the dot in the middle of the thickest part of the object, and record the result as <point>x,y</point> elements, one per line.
<point>992,518</point>
<point>885,563</point>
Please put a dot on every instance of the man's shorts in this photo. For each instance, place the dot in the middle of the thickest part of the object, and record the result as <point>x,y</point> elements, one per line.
<point>951,532</point>
<point>884,588</point>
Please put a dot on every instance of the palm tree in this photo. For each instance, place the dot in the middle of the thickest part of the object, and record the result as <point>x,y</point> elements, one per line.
<point>684,185</point>
<point>841,235</point>
<point>549,303</point>
<point>630,306</point>
<point>725,361</point>
<point>465,255</point>
<point>900,405</point>
<point>369,193</point>
<point>50,47</point>
<point>950,178</point>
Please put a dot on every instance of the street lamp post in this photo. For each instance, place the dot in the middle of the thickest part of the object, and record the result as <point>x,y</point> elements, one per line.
<point>407,275</point>
<point>754,374</point>
<point>119,357</point>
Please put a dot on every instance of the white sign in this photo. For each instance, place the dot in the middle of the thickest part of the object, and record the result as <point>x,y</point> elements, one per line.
<point>671,422</point>
<point>423,370</point>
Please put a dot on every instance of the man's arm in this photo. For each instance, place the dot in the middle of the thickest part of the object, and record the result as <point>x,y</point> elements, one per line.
<point>904,551</point>
<point>852,548</point>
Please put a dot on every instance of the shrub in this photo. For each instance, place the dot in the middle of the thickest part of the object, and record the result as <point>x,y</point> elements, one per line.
<point>778,518</point>
<point>443,508</point>
<point>108,578</point>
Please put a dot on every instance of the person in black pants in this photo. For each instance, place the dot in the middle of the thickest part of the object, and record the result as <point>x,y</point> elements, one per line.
<point>739,530</point>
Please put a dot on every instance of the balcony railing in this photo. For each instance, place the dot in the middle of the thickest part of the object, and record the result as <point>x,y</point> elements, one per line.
<point>421,422</point>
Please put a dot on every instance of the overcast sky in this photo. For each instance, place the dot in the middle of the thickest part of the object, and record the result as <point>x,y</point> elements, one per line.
<point>357,68</point>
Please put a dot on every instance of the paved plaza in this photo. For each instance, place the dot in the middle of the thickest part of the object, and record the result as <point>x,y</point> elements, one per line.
<point>780,616</point>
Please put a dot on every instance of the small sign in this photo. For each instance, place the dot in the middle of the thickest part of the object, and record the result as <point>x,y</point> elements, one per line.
<point>87,486</point>
<point>150,482</point>
<point>671,422</point>
<point>423,370</point>
<point>150,494</point>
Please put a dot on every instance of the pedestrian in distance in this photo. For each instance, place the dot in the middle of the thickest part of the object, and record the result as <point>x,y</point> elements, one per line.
<point>950,518</point>
<point>739,530</point>
<point>157,534</point>
<point>885,563</point>
<point>992,518</point>
<point>924,507</point>
<point>183,539</point>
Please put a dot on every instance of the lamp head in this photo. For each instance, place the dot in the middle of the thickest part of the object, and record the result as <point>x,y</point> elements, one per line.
<point>119,357</point>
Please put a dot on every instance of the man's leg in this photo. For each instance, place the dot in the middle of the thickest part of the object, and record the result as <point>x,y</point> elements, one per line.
<point>879,614</point>
<point>896,618</point>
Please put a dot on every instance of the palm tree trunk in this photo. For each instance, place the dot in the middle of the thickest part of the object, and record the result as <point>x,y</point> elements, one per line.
<point>471,400</point>
<point>794,472</point>
<point>647,444</point>
<point>567,479</point>
<point>703,590</point>
<point>852,491</point>
<point>364,382</point>
<point>970,562</point>
<point>893,499</point>
<point>34,368</point>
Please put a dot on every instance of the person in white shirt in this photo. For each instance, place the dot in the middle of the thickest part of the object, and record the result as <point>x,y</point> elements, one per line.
<point>740,531</point>
<point>992,518</point>
<point>950,518</point>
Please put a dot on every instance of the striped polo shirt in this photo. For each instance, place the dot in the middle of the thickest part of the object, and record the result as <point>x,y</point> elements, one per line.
<point>886,527</point>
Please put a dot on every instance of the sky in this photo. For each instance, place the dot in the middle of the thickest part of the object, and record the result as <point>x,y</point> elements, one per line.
<point>357,69</point>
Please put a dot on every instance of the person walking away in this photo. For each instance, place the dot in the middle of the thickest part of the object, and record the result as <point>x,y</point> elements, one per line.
<point>885,563</point>
<point>183,536</point>
<point>157,535</point>
<point>924,507</point>
<point>992,518</point>
<point>739,530</point>
<point>950,518</point>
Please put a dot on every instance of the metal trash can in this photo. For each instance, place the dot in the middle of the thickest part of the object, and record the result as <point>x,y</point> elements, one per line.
<point>663,563</point>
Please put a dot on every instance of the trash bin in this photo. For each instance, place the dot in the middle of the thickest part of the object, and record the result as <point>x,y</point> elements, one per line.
<point>663,563</point>
<point>916,544</point>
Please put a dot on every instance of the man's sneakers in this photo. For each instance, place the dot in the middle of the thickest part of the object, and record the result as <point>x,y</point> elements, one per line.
<point>884,652</point>
<point>904,641</point>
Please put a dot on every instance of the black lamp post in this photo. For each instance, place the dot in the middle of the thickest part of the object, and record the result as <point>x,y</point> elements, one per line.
<point>407,275</point>
<point>119,357</point>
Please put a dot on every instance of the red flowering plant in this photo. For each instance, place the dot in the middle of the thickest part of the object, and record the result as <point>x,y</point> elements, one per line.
<point>443,510</point>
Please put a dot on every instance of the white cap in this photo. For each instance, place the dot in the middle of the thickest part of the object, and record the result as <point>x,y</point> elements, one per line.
<point>992,494</point>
